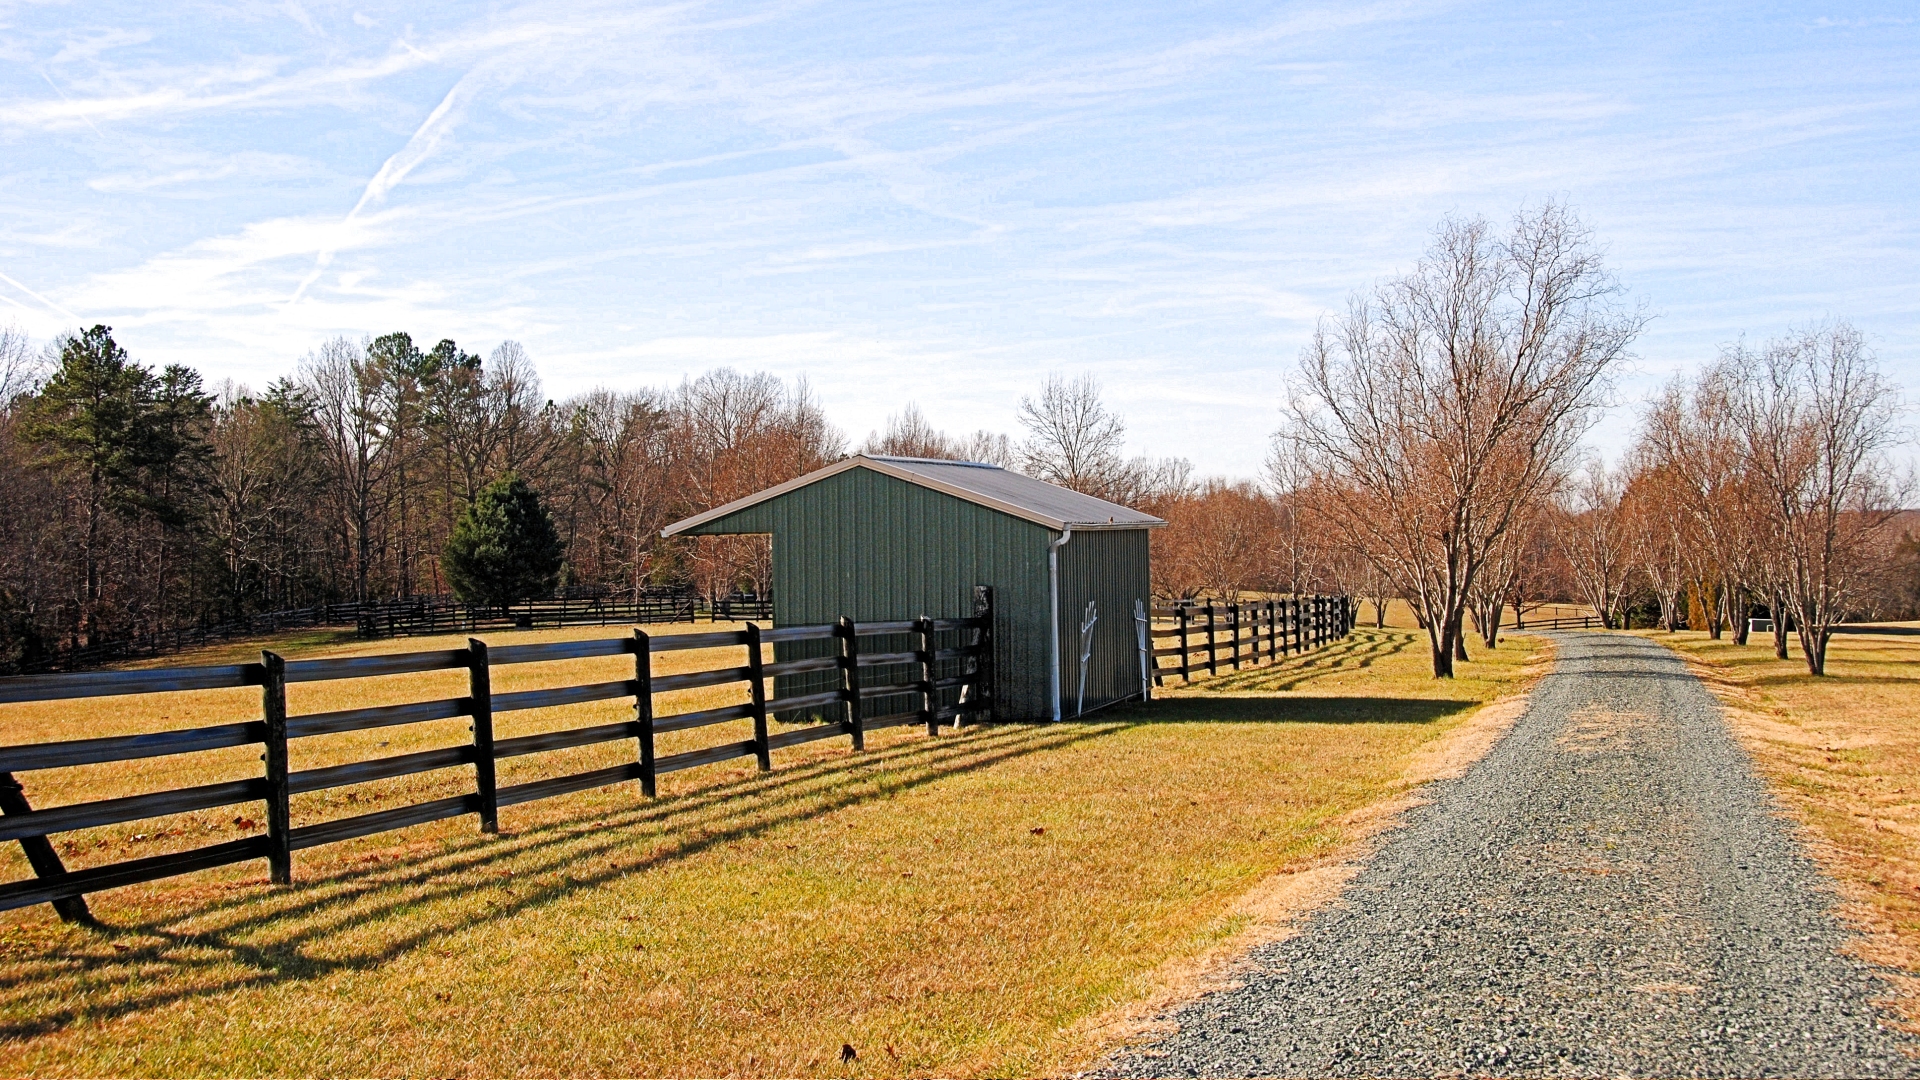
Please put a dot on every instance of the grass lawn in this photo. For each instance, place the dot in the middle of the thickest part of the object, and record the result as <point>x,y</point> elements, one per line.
<point>966,904</point>
<point>1844,753</point>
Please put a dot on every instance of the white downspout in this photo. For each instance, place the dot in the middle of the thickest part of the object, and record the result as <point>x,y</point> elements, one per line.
<point>1053,613</point>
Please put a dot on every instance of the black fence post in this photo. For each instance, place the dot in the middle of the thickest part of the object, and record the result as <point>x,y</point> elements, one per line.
<point>1186,673</point>
<point>273,706</point>
<point>643,709</point>
<point>923,633</point>
<point>39,851</point>
<point>757,693</point>
<point>850,679</point>
<point>480,707</point>
<point>1213,648</point>
<point>1233,616</point>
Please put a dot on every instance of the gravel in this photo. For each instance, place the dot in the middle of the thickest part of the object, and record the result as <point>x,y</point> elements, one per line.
<point>1609,891</point>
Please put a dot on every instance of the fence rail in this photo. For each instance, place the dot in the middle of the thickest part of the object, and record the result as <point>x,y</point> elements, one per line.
<point>1559,622</point>
<point>1207,637</point>
<point>410,617</point>
<point>951,679</point>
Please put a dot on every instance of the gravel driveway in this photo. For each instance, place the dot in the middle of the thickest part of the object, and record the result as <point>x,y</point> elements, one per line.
<point>1607,892</point>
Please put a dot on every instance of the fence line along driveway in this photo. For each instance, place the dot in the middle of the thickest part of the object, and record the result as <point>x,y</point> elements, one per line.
<point>1609,891</point>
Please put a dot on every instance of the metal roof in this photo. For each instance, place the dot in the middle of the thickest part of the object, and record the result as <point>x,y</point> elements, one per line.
<point>991,486</point>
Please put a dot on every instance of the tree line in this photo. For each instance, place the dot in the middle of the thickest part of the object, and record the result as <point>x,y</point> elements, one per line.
<point>1434,436</point>
<point>142,500</point>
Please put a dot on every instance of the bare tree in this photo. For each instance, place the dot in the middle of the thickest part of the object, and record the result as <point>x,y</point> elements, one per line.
<point>1444,403</point>
<point>21,369</point>
<point>1073,439</point>
<point>1690,433</point>
<point>988,448</point>
<point>1594,538</point>
<point>738,434</point>
<point>1817,421</point>
<point>909,435</point>
<point>624,485</point>
<point>346,394</point>
<point>1661,533</point>
<point>1511,566</point>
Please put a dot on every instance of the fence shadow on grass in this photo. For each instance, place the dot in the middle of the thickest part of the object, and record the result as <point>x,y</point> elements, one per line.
<point>1292,710</point>
<point>256,936</point>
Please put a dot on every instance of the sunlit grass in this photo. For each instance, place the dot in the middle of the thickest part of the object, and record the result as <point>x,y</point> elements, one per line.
<point>959,904</point>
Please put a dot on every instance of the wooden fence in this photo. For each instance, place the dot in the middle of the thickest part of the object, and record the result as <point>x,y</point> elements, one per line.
<point>948,682</point>
<point>444,614</point>
<point>1207,637</point>
<point>416,615</point>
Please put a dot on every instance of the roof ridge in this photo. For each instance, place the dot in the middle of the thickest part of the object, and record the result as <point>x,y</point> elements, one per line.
<point>934,461</point>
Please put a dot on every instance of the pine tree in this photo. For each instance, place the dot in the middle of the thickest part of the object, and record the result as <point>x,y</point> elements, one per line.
<point>504,547</point>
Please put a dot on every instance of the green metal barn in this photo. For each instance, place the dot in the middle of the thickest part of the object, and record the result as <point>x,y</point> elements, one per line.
<point>888,538</point>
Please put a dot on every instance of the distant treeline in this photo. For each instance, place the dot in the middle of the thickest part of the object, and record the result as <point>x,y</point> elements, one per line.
<point>140,499</point>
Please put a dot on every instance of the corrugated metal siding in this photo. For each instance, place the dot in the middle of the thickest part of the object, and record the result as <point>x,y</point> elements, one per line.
<point>876,548</point>
<point>1109,568</point>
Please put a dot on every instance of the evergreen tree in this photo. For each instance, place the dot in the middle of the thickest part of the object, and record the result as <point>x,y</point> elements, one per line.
<point>95,420</point>
<point>504,547</point>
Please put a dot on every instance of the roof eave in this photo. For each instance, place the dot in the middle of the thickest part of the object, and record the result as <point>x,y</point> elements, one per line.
<point>911,477</point>
<point>758,497</point>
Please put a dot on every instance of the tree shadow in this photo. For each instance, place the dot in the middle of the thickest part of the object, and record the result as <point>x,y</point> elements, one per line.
<point>1291,710</point>
<point>124,965</point>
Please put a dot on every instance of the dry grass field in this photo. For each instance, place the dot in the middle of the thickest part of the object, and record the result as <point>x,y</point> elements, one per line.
<point>966,904</point>
<point>1843,751</point>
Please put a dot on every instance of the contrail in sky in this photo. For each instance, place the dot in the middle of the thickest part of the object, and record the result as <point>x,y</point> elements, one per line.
<point>426,139</point>
<point>40,298</point>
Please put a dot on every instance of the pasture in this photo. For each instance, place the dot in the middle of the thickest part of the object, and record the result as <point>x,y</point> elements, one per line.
<point>972,903</point>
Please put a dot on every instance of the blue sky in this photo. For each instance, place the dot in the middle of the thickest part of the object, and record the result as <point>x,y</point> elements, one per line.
<point>937,203</point>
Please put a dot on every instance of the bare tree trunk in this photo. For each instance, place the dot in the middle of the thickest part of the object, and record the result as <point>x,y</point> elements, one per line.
<point>1779,625</point>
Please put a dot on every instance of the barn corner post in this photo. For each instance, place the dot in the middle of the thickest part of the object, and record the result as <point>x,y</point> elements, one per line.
<point>273,706</point>
<point>480,707</point>
<point>984,688</point>
<point>643,709</point>
<point>40,854</point>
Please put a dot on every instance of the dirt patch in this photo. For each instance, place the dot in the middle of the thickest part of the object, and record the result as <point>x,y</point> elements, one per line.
<point>1598,729</point>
